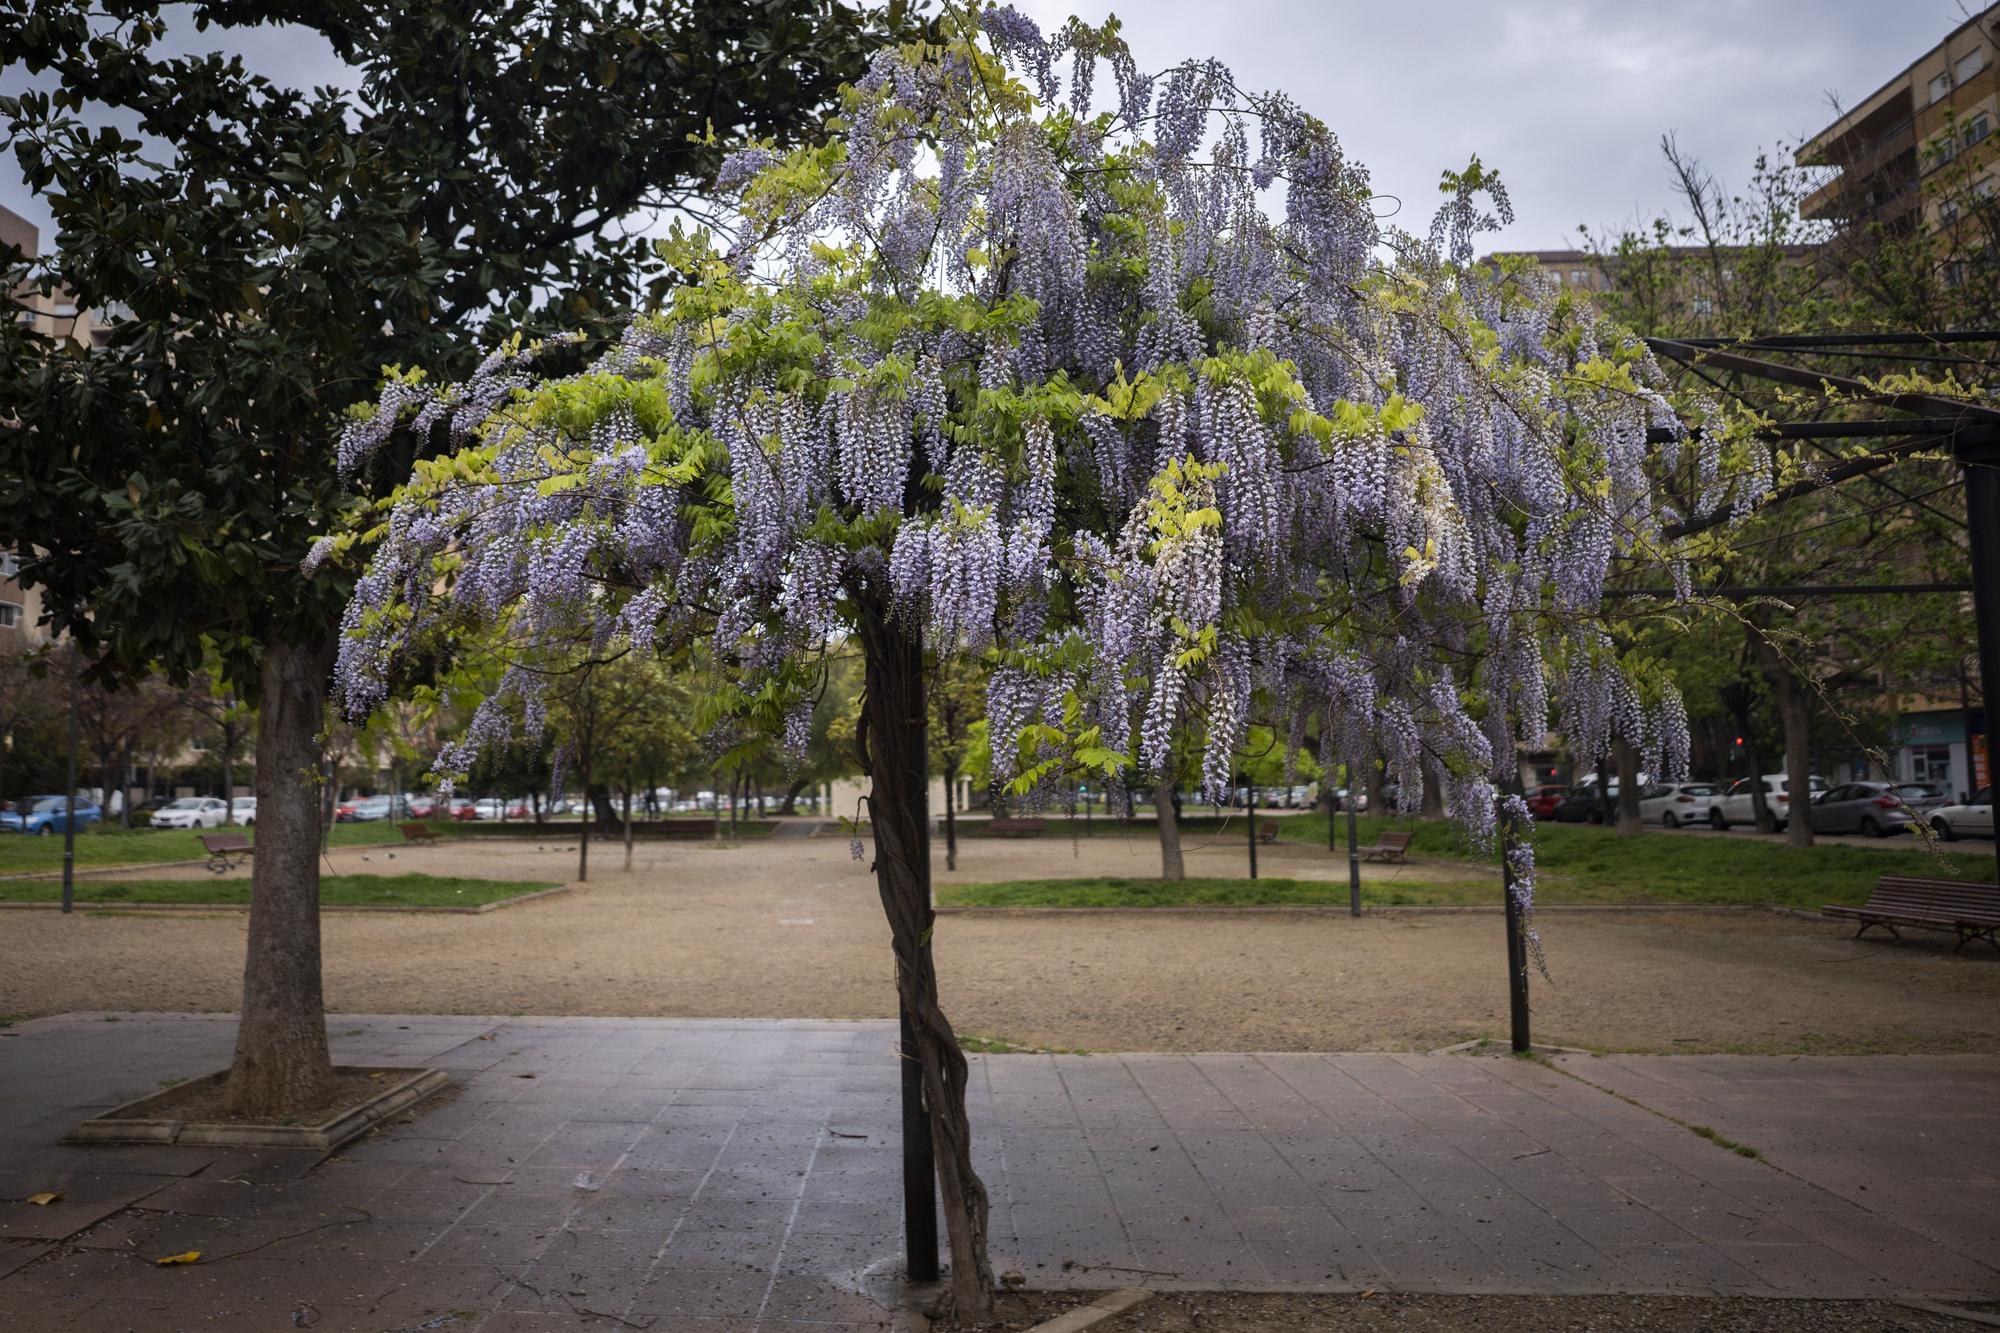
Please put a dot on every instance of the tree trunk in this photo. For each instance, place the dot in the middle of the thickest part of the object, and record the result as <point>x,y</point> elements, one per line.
<point>1628,788</point>
<point>1795,709</point>
<point>1172,865</point>
<point>1433,799</point>
<point>583,825</point>
<point>281,1059</point>
<point>893,714</point>
<point>791,805</point>
<point>950,819</point>
<point>628,824</point>
<point>228,780</point>
<point>1371,786</point>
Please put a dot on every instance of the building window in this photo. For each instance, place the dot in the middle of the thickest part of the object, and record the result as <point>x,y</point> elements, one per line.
<point>1968,65</point>
<point>1943,149</point>
<point>1702,305</point>
<point>1978,128</point>
<point>1930,763</point>
<point>1983,188</point>
<point>10,565</point>
<point>10,615</point>
<point>1948,212</point>
<point>1579,277</point>
<point>1941,87</point>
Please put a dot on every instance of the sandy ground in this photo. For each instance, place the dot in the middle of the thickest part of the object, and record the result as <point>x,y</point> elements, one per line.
<point>792,928</point>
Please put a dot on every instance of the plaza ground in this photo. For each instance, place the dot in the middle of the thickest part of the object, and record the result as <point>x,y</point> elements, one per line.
<point>791,928</point>
<point>744,1177</point>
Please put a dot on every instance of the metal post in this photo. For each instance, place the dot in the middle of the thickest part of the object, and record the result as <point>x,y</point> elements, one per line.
<point>1353,852</point>
<point>1979,455</point>
<point>69,802</point>
<point>1250,809</point>
<point>920,1237</point>
<point>1517,944</point>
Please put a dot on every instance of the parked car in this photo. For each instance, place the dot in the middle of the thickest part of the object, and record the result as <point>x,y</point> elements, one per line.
<point>367,810</point>
<point>489,807</point>
<point>1972,816</point>
<point>463,809</point>
<point>1677,804</point>
<point>423,807</point>
<point>1739,806</point>
<point>190,812</point>
<point>143,812</point>
<point>1876,809</point>
<point>1583,806</point>
<point>45,815</point>
<point>1924,797</point>
<point>244,809</point>
<point>1543,800</point>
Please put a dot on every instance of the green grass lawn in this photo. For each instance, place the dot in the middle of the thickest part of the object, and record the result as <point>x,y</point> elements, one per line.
<point>101,846</point>
<point>1579,865</point>
<point>335,891</point>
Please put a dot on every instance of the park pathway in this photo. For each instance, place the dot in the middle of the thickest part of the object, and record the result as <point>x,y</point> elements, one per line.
<point>744,1174</point>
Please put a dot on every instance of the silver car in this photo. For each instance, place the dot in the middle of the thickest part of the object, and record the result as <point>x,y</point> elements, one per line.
<point>1873,809</point>
<point>1973,816</point>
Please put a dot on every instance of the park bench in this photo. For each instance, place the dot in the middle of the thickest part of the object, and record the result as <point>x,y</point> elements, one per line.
<point>1001,827</point>
<point>1390,846</point>
<point>683,828</point>
<point>1269,833</point>
<point>1967,908</point>
<point>225,850</point>
<point>419,833</point>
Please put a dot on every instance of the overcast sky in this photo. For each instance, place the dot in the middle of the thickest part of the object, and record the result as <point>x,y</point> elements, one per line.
<point>1567,98</point>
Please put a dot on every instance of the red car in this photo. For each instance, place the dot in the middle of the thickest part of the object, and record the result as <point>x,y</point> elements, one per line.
<point>461,808</point>
<point>1542,801</point>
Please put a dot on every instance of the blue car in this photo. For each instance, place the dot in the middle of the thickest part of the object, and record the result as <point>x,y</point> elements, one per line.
<point>45,815</point>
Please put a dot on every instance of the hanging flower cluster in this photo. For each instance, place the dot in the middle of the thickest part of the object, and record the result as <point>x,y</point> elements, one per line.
<point>1126,387</point>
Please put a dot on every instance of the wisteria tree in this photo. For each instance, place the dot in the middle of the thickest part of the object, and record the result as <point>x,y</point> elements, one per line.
<point>1125,390</point>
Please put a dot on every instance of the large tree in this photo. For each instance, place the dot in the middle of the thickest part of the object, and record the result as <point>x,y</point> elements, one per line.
<point>263,252</point>
<point>997,372</point>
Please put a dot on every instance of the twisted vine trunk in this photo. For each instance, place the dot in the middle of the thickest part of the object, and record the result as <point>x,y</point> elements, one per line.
<point>895,749</point>
<point>281,1059</point>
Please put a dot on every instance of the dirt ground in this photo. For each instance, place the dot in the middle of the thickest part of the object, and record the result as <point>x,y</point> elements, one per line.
<point>793,928</point>
<point>1243,1312</point>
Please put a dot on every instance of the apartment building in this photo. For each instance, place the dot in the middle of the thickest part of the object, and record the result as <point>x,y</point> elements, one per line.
<point>1920,147</point>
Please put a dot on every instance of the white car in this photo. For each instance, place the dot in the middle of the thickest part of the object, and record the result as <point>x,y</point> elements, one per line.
<point>1739,805</point>
<point>189,812</point>
<point>1973,816</point>
<point>1677,804</point>
<point>244,809</point>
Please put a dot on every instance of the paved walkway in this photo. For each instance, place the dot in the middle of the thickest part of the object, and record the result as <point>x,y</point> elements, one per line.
<point>725,1175</point>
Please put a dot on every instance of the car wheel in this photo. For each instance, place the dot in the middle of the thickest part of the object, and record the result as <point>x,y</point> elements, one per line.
<point>1943,829</point>
<point>1718,821</point>
<point>45,830</point>
<point>1669,820</point>
<point>1871,829</point>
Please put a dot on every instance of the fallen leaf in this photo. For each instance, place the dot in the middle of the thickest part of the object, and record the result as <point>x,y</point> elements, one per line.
<point>42,1200</point>
<point>191,1257</point>
<point>524,1076</point>
<point>378,1073</point>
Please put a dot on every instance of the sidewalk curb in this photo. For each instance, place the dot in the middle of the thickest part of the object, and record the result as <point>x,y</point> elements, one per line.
<point>1099,1310</point>
<point>496,905</point>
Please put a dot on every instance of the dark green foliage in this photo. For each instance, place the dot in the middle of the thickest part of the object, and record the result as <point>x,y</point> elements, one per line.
<point>276,248</point>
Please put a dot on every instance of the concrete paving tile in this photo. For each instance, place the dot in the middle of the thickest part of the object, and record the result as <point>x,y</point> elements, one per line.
<point>703,1294</point>
<point>1814,1268</point>
<point>505,1247</point>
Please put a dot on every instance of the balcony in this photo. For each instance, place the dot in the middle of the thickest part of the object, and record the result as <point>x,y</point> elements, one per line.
<point>1860,186</point>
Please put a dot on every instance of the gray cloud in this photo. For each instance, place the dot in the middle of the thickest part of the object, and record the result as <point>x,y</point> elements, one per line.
<point>1567,98</point>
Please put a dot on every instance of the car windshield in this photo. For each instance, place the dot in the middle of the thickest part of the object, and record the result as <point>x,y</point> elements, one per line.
<point>1698,789</point>
<point>184,803</point>
<point>47,803</point>
<point>1914,791</point>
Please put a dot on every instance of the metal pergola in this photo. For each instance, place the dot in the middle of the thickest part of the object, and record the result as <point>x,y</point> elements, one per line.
<point>1914,422</point>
